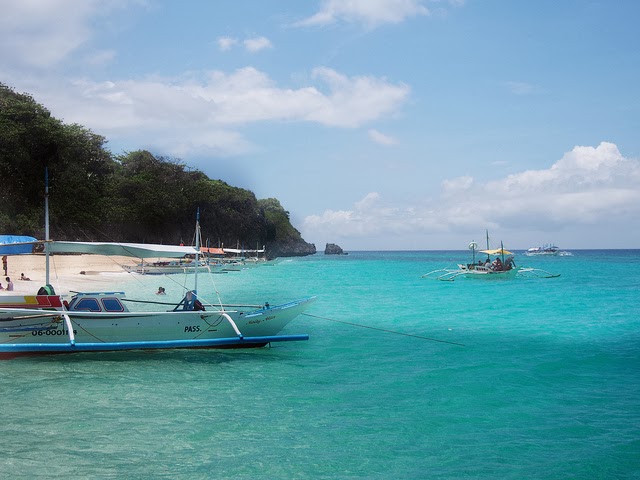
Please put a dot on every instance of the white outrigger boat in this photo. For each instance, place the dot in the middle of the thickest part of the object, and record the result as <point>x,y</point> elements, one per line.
<point>102,321</point>
<point>499,265</point>
<point>171,267</point>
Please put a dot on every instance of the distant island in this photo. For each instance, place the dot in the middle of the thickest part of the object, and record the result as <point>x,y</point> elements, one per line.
<point>333,249</point>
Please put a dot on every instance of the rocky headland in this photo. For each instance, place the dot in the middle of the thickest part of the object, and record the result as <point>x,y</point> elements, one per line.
<point>292,248</point>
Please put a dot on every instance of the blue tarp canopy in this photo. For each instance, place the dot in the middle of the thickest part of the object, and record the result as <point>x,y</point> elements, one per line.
<point>16,244</point>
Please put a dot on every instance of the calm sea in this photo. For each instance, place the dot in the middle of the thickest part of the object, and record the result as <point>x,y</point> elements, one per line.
<point>540,380</point>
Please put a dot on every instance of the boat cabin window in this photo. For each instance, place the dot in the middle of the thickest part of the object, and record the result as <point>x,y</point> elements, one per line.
<point>89,304</point>
<point>108,304</point>
<point>112,305</point>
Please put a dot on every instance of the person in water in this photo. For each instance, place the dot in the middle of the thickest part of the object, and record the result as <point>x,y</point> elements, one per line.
<point>161,291</point>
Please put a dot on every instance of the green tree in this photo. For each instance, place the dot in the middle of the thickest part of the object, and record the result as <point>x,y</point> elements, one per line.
<point>29,139</point>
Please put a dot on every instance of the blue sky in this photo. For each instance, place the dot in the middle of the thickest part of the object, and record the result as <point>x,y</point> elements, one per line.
<point>379,124</point>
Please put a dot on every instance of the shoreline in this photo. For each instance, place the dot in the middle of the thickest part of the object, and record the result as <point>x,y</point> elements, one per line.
<point>67,272</point>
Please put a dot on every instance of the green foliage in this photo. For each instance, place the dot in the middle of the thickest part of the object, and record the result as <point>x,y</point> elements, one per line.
<point>147,195</point>
<point>135,197</point>
<point>28,140</point>
<point>279,227</point>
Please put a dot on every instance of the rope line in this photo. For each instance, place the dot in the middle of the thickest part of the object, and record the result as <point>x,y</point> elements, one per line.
<point>384,330</point>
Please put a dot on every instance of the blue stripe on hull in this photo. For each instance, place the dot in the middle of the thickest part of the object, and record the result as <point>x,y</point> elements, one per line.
<point>110,346</point>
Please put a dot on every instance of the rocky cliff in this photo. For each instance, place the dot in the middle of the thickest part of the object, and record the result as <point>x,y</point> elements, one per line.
<point>290,248</point>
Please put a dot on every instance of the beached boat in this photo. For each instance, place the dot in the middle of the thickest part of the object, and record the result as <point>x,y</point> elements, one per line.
<point>499,264</point>
<point>236,258</point>
<point>211,259</point>
<point>46,322</point>
<point>216,260</point>
<point>170,267</point>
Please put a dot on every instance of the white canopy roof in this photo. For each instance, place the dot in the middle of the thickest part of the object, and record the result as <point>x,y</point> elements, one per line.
<point>139,250</point>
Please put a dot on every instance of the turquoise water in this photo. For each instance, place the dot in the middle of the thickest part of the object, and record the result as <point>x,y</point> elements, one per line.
<point>541,380</point>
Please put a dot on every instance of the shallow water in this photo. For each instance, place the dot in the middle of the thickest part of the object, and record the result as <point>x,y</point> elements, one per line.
<point>541,380</point>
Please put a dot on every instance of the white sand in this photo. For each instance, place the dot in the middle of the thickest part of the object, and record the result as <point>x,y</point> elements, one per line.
<point>65,272</point>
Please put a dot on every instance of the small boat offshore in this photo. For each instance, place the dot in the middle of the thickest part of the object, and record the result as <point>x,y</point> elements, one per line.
<point>547,250</point>
<point>499,264</point>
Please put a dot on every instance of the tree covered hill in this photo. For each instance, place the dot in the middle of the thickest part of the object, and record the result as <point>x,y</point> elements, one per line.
<point>135,197</point>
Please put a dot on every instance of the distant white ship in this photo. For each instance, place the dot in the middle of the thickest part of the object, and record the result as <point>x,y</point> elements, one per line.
<point>549,249</point>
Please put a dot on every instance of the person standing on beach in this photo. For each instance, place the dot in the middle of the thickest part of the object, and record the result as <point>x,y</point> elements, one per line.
<point>4,263</point>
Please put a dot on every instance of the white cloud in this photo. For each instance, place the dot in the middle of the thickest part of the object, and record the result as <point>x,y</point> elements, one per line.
<point>456,185</point>
<point>588,185</point>
<point>381,138</point>
<point>253,45</point>
<point>257,44</point>
<point>369,217</point>
<point>42,33</point>
<point>226,43</point>
<point>353,101</point>
<point>368,201</point>
<point>209,105</point>
<point>370,12</point>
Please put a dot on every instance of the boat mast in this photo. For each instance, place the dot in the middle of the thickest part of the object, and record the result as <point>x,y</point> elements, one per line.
<point>46,224</point>
<point>488,256</point>
<point>195,280</point>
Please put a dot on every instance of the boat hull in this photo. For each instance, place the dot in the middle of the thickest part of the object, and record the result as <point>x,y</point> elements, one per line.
<point>46,330</point>
<point>164,268</point>
<point>484,273</point>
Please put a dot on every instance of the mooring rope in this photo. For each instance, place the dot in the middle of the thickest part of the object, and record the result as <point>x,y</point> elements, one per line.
<point>385,330</point>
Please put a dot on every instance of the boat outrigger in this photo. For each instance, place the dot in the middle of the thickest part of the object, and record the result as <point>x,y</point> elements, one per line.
<point>102,321</point>
<point>498,265</point>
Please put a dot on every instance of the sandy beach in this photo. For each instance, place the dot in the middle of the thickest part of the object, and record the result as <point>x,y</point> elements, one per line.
<point>67,272</point>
